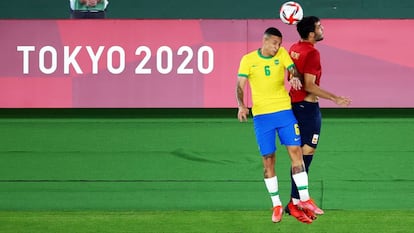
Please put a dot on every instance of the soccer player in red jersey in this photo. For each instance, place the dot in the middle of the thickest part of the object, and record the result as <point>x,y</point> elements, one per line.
<point>305,100</point>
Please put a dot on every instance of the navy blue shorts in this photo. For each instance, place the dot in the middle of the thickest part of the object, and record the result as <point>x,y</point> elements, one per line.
<point>309,119</point>
<point>266,126</point>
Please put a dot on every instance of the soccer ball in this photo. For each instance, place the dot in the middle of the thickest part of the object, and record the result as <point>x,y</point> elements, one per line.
<point>291,12</point>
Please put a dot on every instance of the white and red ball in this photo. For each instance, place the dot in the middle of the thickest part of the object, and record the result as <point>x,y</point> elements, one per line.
<point>291,12</point>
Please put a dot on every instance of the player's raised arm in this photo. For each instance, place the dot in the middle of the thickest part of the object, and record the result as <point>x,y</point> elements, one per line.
<point>312,88</point>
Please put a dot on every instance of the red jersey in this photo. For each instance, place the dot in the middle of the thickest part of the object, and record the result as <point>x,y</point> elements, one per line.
<point>307,60</point>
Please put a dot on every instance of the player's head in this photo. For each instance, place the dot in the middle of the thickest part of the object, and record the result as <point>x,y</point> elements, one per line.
<point>272,39</point>
<point>310,28</point>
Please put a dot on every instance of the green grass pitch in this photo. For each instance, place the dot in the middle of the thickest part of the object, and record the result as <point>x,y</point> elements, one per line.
<point>84,175</point>
<point>334,221</point>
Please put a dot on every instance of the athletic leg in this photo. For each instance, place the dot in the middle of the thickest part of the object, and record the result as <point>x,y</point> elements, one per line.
<point>309,120</point>
<point>266,139</point>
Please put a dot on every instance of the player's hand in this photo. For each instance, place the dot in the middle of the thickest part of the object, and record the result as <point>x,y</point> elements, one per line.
<point>242,114</point>
<point>295,83</point>
<point>343,101</point>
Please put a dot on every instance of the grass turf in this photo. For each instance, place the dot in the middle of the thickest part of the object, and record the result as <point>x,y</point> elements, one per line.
<point>334,221</point>
<point>50,165</point>
<point>195,164</point>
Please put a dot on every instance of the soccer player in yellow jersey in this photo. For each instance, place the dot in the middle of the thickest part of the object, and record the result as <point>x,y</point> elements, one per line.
<point>265,69</point>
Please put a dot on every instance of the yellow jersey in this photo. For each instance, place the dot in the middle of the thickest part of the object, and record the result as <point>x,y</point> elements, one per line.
<point>266,77</point>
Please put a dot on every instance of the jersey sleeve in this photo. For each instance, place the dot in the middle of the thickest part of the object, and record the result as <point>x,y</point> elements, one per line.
<point>243,68</point>
<point>313,63</point>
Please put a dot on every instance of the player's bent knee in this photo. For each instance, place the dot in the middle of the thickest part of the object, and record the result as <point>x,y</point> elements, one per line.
<point>308,150</point>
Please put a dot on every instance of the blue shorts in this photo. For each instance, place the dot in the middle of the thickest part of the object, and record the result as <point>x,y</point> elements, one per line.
<point>267,125</point>
<point>309,119</point>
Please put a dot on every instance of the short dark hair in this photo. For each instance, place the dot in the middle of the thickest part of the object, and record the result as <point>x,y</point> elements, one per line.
<point>306,26</point>
<point>273,31</point>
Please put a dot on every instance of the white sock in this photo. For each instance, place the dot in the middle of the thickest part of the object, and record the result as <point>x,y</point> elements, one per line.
<point>273,189</point>
<point>295,201</point>
<point>301,181</point>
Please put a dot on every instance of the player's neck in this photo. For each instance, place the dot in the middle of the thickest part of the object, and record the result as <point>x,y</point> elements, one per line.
<point>311,41</point>
<point>264,53</point>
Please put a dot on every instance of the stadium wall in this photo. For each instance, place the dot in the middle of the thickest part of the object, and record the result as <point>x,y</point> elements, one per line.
<point>222,9</point>
<point>371,73</point>
<point>74,64</point>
